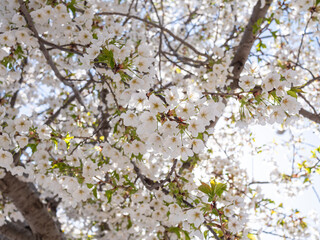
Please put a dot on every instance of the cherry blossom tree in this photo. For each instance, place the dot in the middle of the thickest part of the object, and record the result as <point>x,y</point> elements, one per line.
<point>128,119</point>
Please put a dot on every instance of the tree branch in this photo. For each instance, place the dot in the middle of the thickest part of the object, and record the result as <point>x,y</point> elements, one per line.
<point>46,54</point>
<point>73,97</point>
<point>15,95</point>
<point>33,210</point>
<point>310,82</point>
<point>302,38</point>
<point>309,115</point>
<point>244,48</point>
<point>150,184</point>
<point>309,104</point>
<point>2,237</point>
<point>156,26</point>
<point>15,231</point>
<point>247,40</point>
<point>55,46</point>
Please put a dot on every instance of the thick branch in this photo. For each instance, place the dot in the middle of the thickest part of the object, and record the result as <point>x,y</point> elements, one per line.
<point>247,40</point>
<point>33,210</point>
<point>309,115</point>
<point>244,48</point>
<point>2,237</point>
<point>14,231</point>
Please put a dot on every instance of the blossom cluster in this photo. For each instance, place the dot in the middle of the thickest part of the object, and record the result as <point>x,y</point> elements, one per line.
<point>123,125</point>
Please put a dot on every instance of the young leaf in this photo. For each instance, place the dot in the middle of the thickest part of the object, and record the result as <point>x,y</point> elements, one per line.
<point>205,188</point>
<point>220,188</point>
<point>292,93</point>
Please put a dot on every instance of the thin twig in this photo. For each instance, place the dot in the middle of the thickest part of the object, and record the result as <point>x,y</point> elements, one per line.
<point>310,105</point>
<point>15,95</point>
<point>72,98</point>
<point>156,26</point>
<point>315,192</point>
<point>45,52</point>
<point>302,38</point>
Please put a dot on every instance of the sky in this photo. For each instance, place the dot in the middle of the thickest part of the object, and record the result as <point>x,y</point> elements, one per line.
<point>305,201</point>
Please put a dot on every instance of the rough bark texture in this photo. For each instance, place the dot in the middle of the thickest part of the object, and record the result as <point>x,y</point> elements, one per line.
<point>246,43</point>
<point>15,231</point>
<point>2,237</point>
<point>244,48</point>
<point>34,211</point>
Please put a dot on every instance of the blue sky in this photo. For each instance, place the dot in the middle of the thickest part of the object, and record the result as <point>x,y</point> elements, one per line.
<point>306,200</point>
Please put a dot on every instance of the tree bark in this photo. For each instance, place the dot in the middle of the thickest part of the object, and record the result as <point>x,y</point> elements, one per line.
<point>33,210</point>
<point>309,115</point>
<point>247,40</point>
<point>245,45</point>
<point>2,237</point>
<point>15,231</point>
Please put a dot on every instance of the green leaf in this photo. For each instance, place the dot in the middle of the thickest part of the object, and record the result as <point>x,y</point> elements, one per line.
<point>200,136</point>
<point>268,200</point>
<point>220,188</point>
<point>217,188</point>
<point>303,224</point>
<point>215,212</point>
<point>292,93</point>
<point>55,142</point>
<point>108,194</point>
<point>257,25</point>
<point>175,230</point>
<point>107,57</point>
<point>60,165</point>
<point>129,223</point>
<point>206,208</point>
<point>205,188</point>
<point>116,175</point>
<point>205,234</point>
<point>186,234</point>
<point>71,7</point>
<point>89,185</point>
<point>274,34</point>
<point>94,191</point>
<point>70,55</point>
